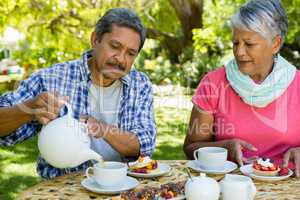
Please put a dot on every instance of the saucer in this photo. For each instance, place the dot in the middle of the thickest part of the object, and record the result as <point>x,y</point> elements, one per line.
<point>127,184</point>
<point>161,170</point>
<point>228,167</point>
<point>248,171</point>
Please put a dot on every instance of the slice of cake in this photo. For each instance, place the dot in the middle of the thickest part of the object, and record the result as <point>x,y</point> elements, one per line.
<point>265,167</point>
<point>144,164</point>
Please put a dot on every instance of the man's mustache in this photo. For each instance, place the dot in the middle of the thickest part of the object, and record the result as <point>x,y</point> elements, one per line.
<point>117,64</point>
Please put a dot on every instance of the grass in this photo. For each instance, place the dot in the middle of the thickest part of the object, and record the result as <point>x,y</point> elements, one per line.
<point>171,129</point>
<point>17,167</point>
<point>17,164</point>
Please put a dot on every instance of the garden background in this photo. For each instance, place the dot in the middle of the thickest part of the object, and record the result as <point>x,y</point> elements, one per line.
<point>185,39</point>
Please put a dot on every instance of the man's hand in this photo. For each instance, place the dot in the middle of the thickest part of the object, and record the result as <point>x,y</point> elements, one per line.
<point>126,143</point>
<point>235,147</point>
<point>45,107</point>
<point>293,154</point>
<point>95,128</point>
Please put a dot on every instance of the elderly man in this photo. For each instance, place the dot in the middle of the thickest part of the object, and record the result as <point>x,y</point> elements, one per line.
<point>113,99</point>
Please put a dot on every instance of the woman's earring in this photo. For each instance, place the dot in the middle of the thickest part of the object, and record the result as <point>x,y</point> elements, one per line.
<point>275,58</point>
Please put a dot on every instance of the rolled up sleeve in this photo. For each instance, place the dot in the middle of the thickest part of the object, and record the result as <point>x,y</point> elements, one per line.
<point>144,123</point>
<point>27,89</point>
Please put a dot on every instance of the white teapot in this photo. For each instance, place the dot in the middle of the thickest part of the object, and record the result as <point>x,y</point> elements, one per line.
<point>239,187</point>
<point>64,142</point>
<point>202,188</point>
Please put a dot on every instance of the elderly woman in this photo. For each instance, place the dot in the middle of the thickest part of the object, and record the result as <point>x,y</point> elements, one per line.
<point>251,105</point>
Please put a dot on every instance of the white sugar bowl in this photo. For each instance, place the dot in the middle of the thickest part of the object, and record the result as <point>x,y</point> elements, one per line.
<point>202,188</point>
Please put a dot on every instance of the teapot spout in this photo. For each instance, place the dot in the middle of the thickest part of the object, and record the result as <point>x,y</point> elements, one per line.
<point>90,155</point>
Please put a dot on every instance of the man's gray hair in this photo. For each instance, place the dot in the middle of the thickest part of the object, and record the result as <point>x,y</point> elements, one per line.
<point>121,17</point>
<point>266,17</point>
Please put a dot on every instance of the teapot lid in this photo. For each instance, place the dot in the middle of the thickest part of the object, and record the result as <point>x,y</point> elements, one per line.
<point>203,179</point>
<point>206,184</point>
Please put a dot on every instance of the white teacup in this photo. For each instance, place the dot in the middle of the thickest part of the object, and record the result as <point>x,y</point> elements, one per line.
<point>213,158</point>
<point>237,187</point>
<point>108,174</point>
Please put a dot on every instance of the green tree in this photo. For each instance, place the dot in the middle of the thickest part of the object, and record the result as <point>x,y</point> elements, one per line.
<point>194,35</point>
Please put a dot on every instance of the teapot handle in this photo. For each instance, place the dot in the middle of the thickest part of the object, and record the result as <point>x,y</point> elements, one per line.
<point>70,111</point>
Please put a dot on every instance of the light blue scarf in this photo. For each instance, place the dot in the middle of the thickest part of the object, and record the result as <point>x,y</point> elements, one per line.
<point>260,95</point>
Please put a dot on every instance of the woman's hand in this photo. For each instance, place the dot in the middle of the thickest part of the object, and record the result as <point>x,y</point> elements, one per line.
<point>235,147</point>
<point>293,154</point>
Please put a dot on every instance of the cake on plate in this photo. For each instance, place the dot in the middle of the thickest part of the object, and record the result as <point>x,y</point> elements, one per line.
<point>266,167</point>
<point>144,164</point>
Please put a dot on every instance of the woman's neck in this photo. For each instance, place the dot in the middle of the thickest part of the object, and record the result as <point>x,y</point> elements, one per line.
<point>261,76</point>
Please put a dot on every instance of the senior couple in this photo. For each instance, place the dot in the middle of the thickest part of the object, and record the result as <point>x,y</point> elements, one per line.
<point>257,93</point>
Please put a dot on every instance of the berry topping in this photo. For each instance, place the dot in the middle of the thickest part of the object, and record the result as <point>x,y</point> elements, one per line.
<point>284,171</point>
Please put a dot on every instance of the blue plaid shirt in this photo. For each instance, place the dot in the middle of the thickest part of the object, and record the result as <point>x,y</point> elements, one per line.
<point>73,79</point>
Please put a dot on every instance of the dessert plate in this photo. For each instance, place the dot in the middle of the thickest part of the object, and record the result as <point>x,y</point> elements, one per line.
<point>179,197</point>
<point>162,169</point>
<point>228,167</point>
<point>248,171</point>
<point>127,184</point>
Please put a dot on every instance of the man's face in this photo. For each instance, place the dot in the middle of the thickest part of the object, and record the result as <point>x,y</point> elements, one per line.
<point>115,52</point>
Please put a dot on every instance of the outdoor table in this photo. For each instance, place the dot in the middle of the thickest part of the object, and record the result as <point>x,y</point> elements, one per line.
<point>69,187</point>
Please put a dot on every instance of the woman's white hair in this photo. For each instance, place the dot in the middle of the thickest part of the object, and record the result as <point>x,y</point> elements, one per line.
<point>266,17</point>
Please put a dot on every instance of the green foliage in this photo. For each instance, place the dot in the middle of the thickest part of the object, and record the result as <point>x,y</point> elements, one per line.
<point>215,35</point>
<point>291,48</point>
<point>212,43</point>
<point>293,12</point>
<point>53,31</point>
<point>59,30</point>
<point>159,69</point>
<point>159,15</point>
<point>195,69</point>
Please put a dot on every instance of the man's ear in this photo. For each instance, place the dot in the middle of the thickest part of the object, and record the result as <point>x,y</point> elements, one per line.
<point>93,39</point>
<point>276,44</point>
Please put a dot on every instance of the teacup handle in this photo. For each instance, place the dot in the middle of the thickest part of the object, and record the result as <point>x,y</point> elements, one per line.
<point>196,155</point>
<point>87,172</point>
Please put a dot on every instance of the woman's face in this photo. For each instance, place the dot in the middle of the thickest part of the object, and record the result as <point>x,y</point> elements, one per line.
<point>254,53</point>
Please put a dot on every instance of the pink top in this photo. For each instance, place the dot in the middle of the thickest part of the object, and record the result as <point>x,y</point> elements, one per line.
<point>272,130</point>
